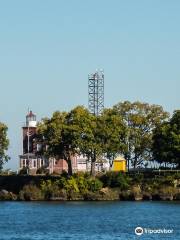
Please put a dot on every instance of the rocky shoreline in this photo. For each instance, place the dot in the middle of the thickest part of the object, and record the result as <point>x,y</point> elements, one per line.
<point>104,194</point>
<point>107,187</point>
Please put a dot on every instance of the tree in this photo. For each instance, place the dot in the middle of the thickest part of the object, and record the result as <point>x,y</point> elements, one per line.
<point>51,134</point>
<point>111,130</point>
<point>4,143</point>
<point>140,119</point>
<point>166,141</point>
<point>67,134</point>
<point>94,136</point>
<point>83,134</point>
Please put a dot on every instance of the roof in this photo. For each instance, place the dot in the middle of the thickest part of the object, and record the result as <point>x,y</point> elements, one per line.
<point>31,155</point>
<point>120,158</point>
<point>30,114</point>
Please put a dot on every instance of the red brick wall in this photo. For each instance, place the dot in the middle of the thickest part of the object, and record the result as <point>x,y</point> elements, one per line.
<point>32,143</point>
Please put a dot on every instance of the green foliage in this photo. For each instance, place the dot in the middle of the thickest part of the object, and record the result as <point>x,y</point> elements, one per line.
<point>125,129</point>
<point>23,171</point>
<point>138,178</point>
<point>94,184</point>
<point>82,132</point>
<point>71,185</point>
<point>114,179</point>
<point>4,143</point>
<point>67,134</point>
<point>82,183</point>
<point>111,131</point>
<point>76,184</point>
<point>177,175</point>
<point>79,183</point>
<point>168,180</point>
<point>49,189</point>
<point>166,141</point>
<point>140,119</point>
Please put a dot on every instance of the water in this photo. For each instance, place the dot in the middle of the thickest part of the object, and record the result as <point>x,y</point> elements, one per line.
<point>87,220</point>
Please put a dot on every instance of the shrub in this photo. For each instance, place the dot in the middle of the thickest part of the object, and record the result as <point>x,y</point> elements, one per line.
<point>42,170</point>
<point>71,185</point>
<point>168,180</point>
<point>177,175</point>
<point>138,178</point>
<point>94,184</point>
<point>115,179</point>
<point>30,192</point>
<point>50,189</point>
<point>82,184</point>
<point>64,174</point>
<point>61,182</point>
<point>23,171</point>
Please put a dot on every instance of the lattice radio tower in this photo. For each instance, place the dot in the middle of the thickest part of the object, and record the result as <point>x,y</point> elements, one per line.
<point>96,92</point>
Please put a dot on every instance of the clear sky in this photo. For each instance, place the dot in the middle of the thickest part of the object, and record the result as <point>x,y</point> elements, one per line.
<point>48,48</point>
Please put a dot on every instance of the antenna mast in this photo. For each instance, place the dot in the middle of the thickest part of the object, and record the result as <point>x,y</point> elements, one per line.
<point>96,92</point>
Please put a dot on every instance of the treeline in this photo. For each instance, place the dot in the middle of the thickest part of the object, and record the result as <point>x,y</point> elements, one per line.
<point>141,132</point>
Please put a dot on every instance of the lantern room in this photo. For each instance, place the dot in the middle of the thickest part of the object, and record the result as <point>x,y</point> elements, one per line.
<point>31,119</point>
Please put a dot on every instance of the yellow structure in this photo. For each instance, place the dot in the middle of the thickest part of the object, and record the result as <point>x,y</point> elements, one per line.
<point>119,164</point>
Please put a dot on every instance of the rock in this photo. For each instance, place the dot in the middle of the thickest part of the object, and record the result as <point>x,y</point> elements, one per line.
<point>167,193</point>
<point>107,194</point>
<point>3,191</point>
<point>138,197</point>
<point>90,196</point>
<point>166,197</point>
<point>104,190</point>
<point>13,196</point>
<point>7,196</point>
<point>77,197</point>
<point>60,196</point>
<point>126,195</point>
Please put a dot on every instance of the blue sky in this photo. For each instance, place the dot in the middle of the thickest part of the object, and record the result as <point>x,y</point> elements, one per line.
<point>48,48</point>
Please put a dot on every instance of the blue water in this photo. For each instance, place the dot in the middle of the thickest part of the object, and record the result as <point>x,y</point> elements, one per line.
<point>87,220</point>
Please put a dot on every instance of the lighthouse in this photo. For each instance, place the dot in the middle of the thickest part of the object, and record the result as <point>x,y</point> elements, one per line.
<point>30,158</point>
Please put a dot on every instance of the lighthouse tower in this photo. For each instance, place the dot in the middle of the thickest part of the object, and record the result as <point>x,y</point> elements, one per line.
<point>30,158</point>
<point>29,134</point>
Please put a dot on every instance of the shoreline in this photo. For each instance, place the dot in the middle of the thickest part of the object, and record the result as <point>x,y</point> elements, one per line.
<point>82,187</point>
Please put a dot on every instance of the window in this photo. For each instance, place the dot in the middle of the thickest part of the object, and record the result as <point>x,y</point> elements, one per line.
<point>24,162</point>
<point>39,147</point>
<point>34,163</point>
<point>42,162</point>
